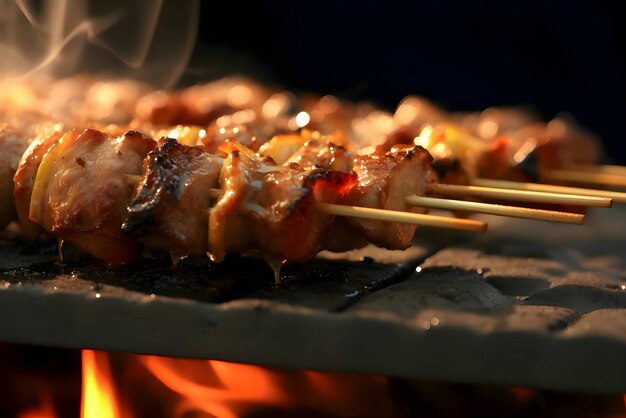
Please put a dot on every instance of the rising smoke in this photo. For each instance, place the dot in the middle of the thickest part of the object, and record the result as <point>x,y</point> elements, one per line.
<point>147,40</point>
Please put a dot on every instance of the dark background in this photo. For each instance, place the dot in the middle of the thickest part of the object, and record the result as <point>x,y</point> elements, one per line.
<point>465,55</point>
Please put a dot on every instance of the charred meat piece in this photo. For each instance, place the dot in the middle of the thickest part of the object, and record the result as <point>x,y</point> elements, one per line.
<point>414,112</point>
<point>320,153</point>
<point>13,142</point>
<point>521,155</point>
<point>83,187</point>
<point>450,171</point>
<point>384,182</point>
<point>498,161</point>
<point>495,122</point>
<point>567,144</point>
<point>112,101</point>
<point>168,213</point>
<point>330,115</point>
<point>200,104</point>
<point>273,208</point>
<point>247,127</point>
<point>171,108</point>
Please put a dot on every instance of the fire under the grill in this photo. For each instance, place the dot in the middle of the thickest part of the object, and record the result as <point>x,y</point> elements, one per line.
<point>528,304</point>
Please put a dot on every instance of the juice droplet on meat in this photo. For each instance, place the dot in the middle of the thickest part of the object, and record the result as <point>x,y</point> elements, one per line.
<point>176,259</point>
<point>276,264</point>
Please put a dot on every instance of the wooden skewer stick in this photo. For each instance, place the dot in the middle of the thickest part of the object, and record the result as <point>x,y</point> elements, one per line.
<point>583,177</point>
<point>404,217</point>
<point>549,188</point>
<point>500,210</point>
<point>518,195</point>
<point>393,216</point>
<point>618,170</point>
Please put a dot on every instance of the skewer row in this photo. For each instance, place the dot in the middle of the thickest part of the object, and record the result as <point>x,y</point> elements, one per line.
<point>477,188</point>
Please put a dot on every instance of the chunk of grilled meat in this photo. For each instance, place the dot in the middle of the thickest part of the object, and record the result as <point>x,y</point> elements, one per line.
<point>385,179</point>
<point>247,127</point>
<point>271,207</point>
<point>569,144</point>
<point>200,104</point>
<point>322,153</point>
<point>384,182</point>
<point>498,160</point>
<point>82,188</point>
<point>522,154</point>
<point>168,213</point>
<point>12,146</point>
<point>19,128</point>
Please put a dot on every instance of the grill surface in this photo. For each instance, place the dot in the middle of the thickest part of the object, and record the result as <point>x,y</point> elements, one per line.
<point>528,303</point>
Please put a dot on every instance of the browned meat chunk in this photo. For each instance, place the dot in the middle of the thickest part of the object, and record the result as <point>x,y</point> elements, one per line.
<point>272,208</point>
<point>567,144</point>
<point>13,142</point>
<point>319,153</point>
<point>559,144</point>
<point>384,182</point>
<point>245,126</point>
<point>200,104</point>
<point>168,213</point>
<point>83,187</point>
<point>497,161</point>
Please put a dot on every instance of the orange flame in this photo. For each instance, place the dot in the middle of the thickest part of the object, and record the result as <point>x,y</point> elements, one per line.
<point>98,394</point>
<point>183,387</point>
<point>231,390</point>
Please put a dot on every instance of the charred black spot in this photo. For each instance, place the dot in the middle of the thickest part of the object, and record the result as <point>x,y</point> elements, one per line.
<point>317,174</point>
<point>161,185</point>
<point>338,147</point>
<point>267,159</point>
<point>424,152</point>
<point>530,166</point>
<point>168,144</point>
<point>156,159</point>
<point>445,165</point>
<point>235,153</point>
<point>80,161</point>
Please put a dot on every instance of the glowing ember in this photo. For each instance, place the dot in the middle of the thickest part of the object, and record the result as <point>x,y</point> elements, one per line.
<point>44,411</point>
<point>98,394</point>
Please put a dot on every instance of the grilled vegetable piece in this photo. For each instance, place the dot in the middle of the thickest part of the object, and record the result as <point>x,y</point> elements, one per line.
<point>82,189</point>
<point>24,181</point>
<point>168,213</point>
